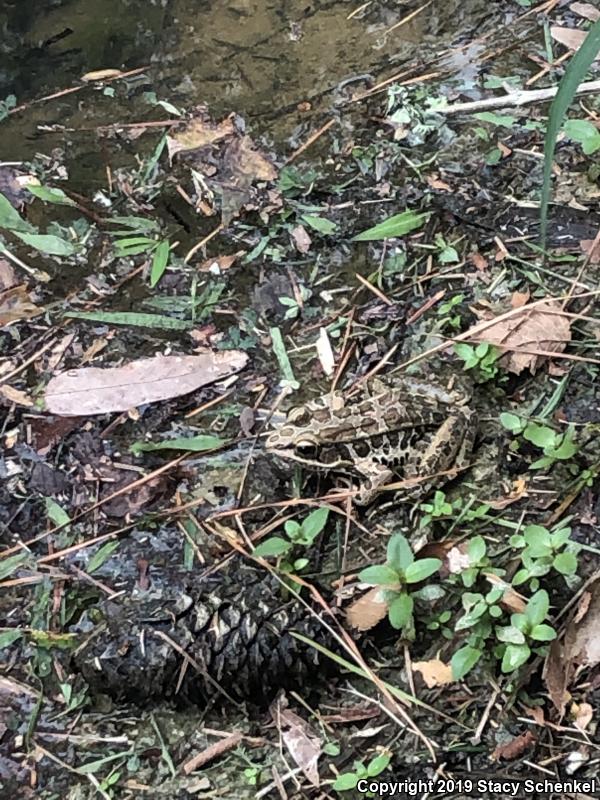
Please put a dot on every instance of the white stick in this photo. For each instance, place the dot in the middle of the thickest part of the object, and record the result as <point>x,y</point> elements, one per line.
<point>520,98</point>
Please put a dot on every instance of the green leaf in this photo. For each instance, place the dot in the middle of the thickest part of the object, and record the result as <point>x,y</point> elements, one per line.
<point>132,318</point>
<point>542,633</point>
<point>135,223</point>
<point>159,262</point>
<point>464,660</point>
<point>574,74</point>
<point>8,637</point>
<point>275,546</point>
<point>12,564</point>
<point>282,356</point>
<point>51,195</point>
<point>512,423</point>
<point>398,225</point>
<point>565,563</point>
<point>520,621</point>
<point>379,575</point>
<point>421,569</point>
<point>560,538</point>
<point>193,444</point>
<point>476,548</point>
<point>293,529</point>
<point>101,555</point>
<point>566,449</point>
<point>510,634</point>
<point>520,577</point>
<point>345,781</point>
<point>537,607</point>
<point>399,553</point>
<point>55,513</point>
<point>11,219</point>
<point>314,523</point>
<point>377,765</point>
<point>48,244</point>
<point>503,121</point>
<point>584,132</point>
<point>400,611</point>
<point>325,226</point>
<point>539,435</point>
<point>514,656</point>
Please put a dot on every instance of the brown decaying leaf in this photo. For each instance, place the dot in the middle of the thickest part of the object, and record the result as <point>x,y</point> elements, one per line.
<point>8,279</point>
<point>513,749</point>
<point>367,611</point>
<point>593,253</point>
<point>583,715</point>
<point>519,489</point>
<point>586,10</point>
<point>302,742</point>
<point>434,672</point>
<point>199,132</point>
<point>569,37</point>
<point>92,390</point>
<point>16,304</point>
<point>16,396</point>
<point>541,328</point>
<point>511,600</point>
<point>519,299</point>
<point>219,263</point>
<point>302,240</point>
<point>583,637</point>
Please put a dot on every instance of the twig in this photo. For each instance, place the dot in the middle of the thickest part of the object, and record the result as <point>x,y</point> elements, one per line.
<point>512,99</point>
<point>310,141</point>
<point>210,753</point>
<point>202,242</point>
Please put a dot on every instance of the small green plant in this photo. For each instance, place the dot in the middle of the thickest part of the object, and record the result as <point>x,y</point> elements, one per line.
<point>554,446</point>
<point>447,254</point>
<point>299,534</point>
<point>481,358</point>
<point>543,551</point>
<point>7,105</point>
<point>481,612</point>
<point>441,508</point>
<point>478,561</point>
<point>294,305</point>
<point>396,576</point>
<point>448,317</point>
<point>525,632</point>
<point>349,780</point>
<point>252,775</point>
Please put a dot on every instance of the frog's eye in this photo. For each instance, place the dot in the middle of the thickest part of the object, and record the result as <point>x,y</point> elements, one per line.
<point>306,441</point>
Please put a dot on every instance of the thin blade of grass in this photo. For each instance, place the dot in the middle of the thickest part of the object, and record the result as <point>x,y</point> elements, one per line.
<point>574,75</point>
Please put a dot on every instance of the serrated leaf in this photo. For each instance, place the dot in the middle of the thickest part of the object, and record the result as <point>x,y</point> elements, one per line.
<point>398,225</point>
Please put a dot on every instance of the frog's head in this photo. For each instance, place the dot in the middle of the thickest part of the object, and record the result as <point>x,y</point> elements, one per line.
<point>295,433</point>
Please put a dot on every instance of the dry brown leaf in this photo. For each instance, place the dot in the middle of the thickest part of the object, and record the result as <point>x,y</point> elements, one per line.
<point>8,279</point>
<point>513,749</point>
<point>101,75</point>
<point>572,38</point>
<point>536,713</point>
<point>199,132</point>
<point>368,610</point>
<point>540,328</point>
<point>511,600</point>
<point>436,183</point>
<point>583,639</point>
<point>16,396</point>
<point>582,715</point>
<point>519,299</point>
<point>302,240</point>
<point>303,744</point>
<point>16,304</point>
<point>219,264</point>
<point>556,675</point>
<point>478,261</point>
<point>91,390</point>
<point>434,672</point>
<point>244,159</point>
<point>586,10</point>
<point>593,253</point>
<point>519,489</point>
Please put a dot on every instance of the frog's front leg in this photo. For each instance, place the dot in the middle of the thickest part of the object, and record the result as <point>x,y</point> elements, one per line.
<point>451,445</point>
<point>376,475</point>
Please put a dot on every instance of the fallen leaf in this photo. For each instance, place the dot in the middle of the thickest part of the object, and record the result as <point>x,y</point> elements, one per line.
<point>514,748</point>
<point>199,132</point>
<point>536,713</point>
<point>572,38</point>
<point>539,328</point>
<point>479,262</point>
<point>302,742</point>
<point>47,431</point>
<point>511,600</point>
<point>8,279</point>
<point>91,390</point>
<point>591,249</point>
<point>16,396</point>
<point>368,611</point>
<point>325,352</point>
<point>434,672</point>
<point>583,639</point>
<point>302,240</point>
<point>585,10</point>
<point>556,675</point>
<point>219,264</point>
<point>519,299</point>
<point>583,715</point>
<point>457,559</point>
<point>519,489</point>
<point>101,75</point>
<point>16,304</point>
<point>436,183</point>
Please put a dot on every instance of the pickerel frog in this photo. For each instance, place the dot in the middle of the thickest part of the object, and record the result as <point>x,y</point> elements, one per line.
<point>394,430</point>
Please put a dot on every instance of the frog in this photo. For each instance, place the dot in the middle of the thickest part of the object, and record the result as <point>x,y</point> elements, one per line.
<point>417,432</point>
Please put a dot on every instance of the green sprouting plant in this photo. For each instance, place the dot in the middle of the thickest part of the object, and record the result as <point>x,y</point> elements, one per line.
<point>478,561</point>
<point>440,508</point>
<point>448,317</point>
<point>396,576</point>
<point>7,105</point>
<point>481,358</point>
<point>585,133</point>
<point>525,633</point>
<point>481,612</point>
<point>292,304</point>
<point>252,775</point>
<point>554,446</point>
<point>299,534</point>
<point>349,780</point>
<point>439,622</point>
<point>543,551</point>
<point>447,254</point>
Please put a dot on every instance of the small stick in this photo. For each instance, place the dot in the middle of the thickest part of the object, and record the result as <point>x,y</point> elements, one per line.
<point>310,141</point>
<point>515,99</point>
<point>202,242</point>
<point>408,17</point>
